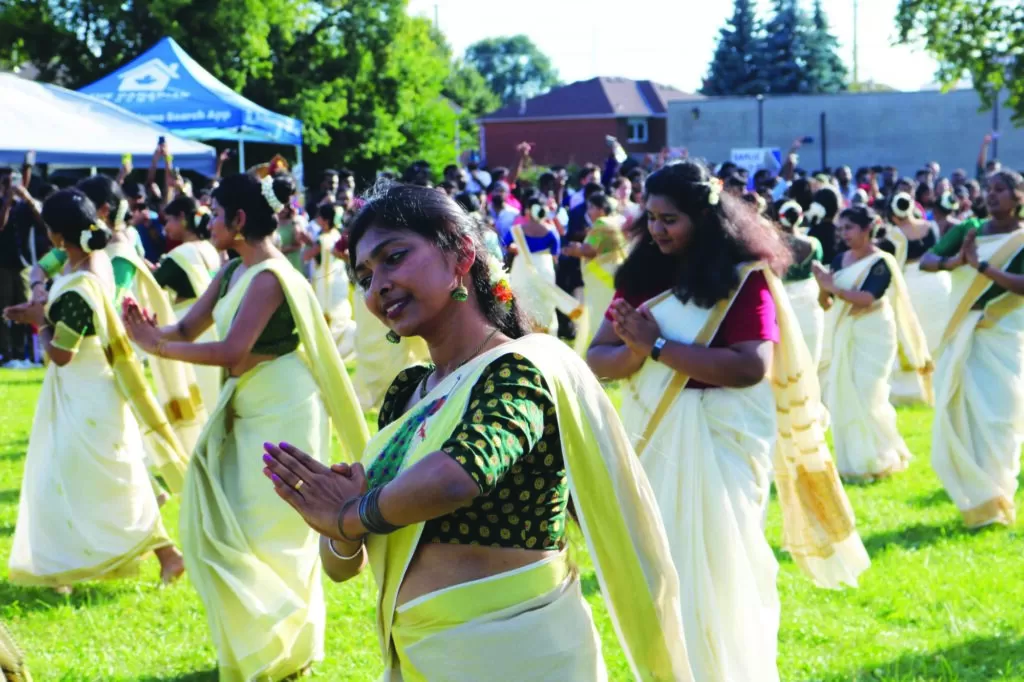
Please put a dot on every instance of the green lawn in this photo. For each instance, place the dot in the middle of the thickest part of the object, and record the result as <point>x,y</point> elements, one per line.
<point>939,603</point>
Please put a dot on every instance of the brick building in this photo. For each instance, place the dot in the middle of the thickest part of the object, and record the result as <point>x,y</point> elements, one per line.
<point>569,124</point>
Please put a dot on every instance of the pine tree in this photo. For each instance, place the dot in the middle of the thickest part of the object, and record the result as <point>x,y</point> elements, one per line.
<point>826,72</point>
<point>783,51</point>
<point>734,69</point>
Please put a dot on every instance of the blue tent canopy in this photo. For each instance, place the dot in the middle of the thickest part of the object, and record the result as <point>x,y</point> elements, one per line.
<point>168,87</point>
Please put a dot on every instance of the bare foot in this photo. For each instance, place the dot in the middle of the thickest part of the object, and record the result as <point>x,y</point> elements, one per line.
<point>63,590</point>
<point>172,566</point>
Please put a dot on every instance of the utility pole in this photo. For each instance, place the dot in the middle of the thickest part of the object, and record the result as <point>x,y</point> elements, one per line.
<point>856,50</point>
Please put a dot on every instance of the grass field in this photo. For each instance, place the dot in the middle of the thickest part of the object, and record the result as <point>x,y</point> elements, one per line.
<point>939,603</point>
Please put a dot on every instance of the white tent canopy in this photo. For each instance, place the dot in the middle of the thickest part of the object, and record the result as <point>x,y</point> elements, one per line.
<point>68,129</point>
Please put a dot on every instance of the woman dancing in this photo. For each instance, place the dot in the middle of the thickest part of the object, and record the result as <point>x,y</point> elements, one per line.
<point>722,391</point>
<point>979,409</point>
<point>330,279</point>
<point>799,280</point>
<point>870,320</point>
<point>929,293</point>
<point>462,508</point>
<point>87,510</point>
<point>254,565</point>
<point>186,272</point>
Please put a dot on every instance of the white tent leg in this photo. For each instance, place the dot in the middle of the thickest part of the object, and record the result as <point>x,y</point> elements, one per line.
<point>241,157</point>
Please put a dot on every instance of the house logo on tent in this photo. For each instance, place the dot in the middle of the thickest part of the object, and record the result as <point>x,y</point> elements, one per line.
<point>152,76</point>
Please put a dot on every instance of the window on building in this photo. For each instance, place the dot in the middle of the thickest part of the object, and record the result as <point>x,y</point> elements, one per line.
<point>637,130</point>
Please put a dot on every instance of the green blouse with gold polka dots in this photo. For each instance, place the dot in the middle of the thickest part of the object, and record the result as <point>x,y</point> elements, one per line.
<point>71,318</point>
<point>508,441</point>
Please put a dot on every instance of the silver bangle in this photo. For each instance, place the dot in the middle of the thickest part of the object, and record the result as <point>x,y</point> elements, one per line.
<point>330,546</point>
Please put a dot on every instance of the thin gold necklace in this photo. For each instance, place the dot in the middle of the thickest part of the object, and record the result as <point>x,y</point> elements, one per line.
<point>423,384</point>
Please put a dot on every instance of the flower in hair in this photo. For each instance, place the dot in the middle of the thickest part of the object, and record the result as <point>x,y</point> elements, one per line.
<point>714,186</point>
<point>267,188</point>
<point>84,237</point>
<point>498,280</point>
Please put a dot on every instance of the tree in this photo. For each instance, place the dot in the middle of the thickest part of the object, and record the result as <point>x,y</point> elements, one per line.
<point>784,51</point>
<point>513,67</point>
<point>735,69</point>
<point>365,79</point>
<point>825,69</point>
<point>980,38</point>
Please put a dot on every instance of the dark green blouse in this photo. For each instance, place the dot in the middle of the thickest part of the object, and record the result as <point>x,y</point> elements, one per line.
<point>803,270</point>
<point>169,275</point>
<point>73,311</point>
<point>280,336</point>
<point>508,441</point>
<point>949,246</point>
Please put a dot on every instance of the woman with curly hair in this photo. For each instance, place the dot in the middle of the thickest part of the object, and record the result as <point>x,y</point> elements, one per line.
<point>721,390</point>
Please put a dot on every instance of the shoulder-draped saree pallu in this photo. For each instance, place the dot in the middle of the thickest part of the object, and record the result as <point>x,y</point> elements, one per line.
<point>929,294</point>
<point>709,455</point>
<point>87,509</point>
<point>532,279</point>
<point>176,386</point>
<point>861,349</point>
<point>378,361</point>
<point>253,561</point>
<point>599,277</point>
<point>199,260</point>
<point>979,409</point>
<point>330,283</point>
<point>533,623</point>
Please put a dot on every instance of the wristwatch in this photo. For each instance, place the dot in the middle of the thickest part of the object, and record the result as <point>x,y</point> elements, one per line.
<point>659,344</point>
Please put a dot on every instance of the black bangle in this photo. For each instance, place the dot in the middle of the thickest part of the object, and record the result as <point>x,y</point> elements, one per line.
<point>982,267</point>
<point>370,515</point>
<point>341,518</point>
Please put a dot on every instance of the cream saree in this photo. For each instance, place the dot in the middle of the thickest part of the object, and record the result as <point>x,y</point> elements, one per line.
<point>710,455</point>
<point>979,410</point>
<point>532,278</point>
<point>599,277</point>
<point>253,561</point>
<point>861,347</point>
<point>810,317</point>
<point>929,294</point>
<point>87,510</point>
<point>377,361</point>
<point>330,283</point>
<point>176,385</point>
<point>533,623</point>
<point>200,261</point>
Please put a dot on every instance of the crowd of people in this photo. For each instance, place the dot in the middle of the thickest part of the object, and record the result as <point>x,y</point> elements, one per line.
<point>743,316</point>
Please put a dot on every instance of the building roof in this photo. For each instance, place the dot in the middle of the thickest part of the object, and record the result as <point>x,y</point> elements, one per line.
<point>595,98</point>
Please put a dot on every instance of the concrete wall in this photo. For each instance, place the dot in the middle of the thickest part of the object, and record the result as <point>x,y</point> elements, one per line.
<point>905,129</point>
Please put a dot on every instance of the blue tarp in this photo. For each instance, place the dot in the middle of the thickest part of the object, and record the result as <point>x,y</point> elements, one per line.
<point>168,87</point>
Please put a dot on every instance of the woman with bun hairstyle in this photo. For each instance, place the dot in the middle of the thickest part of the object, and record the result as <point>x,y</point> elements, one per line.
<point>799,280</point>
<point>870,321</point>
<point>947,212</point>
<point>186,272</point>
<point>536,246</point>
<point>820,221</point>
<point>253,563</point>
<point>721,394</point>
<point>929,292</point>
<point>979,406</point>
<point>87,509</point>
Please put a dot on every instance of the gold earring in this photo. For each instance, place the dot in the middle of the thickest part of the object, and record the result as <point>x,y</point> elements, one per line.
<point>460,293</point>
<point>239,237</point>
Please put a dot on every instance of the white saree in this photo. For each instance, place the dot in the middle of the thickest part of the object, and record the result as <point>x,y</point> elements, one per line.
<point>532,278</point>
<point>331,286</point>
<point>861,347</point>
<point>803,297</point>
<point>929,294</point>
<point>87,510</point>
<point>710,456</point>
<point>200,261</point>
<point>979,410</point>
<point>378,361</point>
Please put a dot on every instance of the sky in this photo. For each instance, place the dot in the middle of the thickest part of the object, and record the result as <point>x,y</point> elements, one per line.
<point>667,41</point>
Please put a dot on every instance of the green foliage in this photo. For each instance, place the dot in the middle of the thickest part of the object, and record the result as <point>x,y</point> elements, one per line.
<point>938,603</point>
<point>735,68</point>
<point>513,67</point>
<point>784,50</point>
<point>983,39</point>
<point>826,70</point>
<point>364,77</point>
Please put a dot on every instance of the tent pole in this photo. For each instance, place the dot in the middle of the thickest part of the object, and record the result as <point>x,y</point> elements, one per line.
<point>241,157</point>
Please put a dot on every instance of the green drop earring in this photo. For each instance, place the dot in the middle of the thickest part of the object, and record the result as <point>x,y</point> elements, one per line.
<point>460,293</point>
<point>392,337</point>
